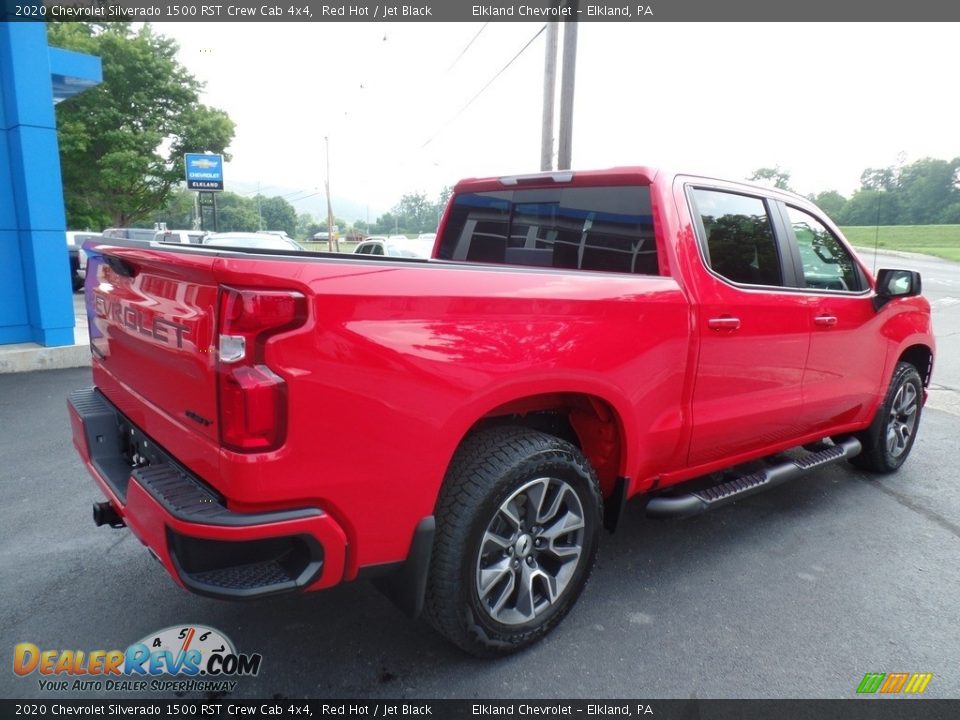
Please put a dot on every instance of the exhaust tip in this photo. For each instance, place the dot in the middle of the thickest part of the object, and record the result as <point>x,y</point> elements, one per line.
<point>104,514</point>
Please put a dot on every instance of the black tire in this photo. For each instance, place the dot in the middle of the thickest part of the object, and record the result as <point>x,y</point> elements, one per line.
<point>487,513</point>
<point>889,439</point>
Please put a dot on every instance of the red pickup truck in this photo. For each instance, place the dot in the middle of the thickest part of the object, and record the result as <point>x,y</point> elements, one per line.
<point>460,429</point>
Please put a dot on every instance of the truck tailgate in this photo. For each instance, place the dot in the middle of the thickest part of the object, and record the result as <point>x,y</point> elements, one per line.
<point>152,329</point>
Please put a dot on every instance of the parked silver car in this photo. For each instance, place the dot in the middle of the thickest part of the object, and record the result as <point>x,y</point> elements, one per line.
<point>184,237</point>
<point>78,258</point>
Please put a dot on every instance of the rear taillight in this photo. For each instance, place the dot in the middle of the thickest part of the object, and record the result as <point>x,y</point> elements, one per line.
<point>252,398</point>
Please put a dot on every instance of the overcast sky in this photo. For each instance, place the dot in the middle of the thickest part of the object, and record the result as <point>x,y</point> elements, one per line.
<point>823,101</point>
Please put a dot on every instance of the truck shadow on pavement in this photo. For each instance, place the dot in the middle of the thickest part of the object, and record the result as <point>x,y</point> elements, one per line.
<point>352,642</point>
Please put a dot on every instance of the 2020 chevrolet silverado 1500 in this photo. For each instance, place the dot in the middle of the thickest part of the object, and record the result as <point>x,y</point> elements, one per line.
<point>460,428</point>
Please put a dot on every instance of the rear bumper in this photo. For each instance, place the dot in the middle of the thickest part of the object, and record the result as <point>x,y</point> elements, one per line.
<point>206,547</point>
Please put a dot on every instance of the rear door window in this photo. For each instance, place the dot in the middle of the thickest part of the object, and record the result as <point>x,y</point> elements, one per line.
<point>738,238</point>
<point>606,229</point>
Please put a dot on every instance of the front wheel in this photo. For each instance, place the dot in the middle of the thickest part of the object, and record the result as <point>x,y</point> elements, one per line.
<point>889,439</point>
<point>518,524</point>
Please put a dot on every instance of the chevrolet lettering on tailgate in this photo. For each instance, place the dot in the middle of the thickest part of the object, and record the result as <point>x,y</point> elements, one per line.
<point>160,329</point>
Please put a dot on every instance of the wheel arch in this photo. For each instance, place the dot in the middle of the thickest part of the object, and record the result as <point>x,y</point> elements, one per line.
<point>921,357</point>
<point>587,419</point>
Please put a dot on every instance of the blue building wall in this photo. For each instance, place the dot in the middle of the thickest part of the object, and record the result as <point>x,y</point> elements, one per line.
<point>35,294</point>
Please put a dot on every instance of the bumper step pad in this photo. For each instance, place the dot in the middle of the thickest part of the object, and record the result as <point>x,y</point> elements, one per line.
<point>245,577</point>
<point>213,550</point>
<point>180,494</point>
<point>229,568</point>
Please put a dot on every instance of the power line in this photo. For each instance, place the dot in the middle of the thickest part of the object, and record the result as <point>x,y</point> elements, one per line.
<point>298,192</point>
<point>483,89</point>
<point>258,191</point>
<point>296,200</point>
<point>464,51</point>
<point>289,196</point>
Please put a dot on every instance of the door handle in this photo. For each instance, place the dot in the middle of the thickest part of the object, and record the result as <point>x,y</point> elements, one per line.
<point>724,323</point>
<point>825,321</point>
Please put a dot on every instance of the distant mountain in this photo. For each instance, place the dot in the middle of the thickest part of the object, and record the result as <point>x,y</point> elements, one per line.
<point>313,201</point>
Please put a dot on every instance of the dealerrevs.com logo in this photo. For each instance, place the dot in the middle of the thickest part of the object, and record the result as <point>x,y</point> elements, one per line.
<point>202,658</point>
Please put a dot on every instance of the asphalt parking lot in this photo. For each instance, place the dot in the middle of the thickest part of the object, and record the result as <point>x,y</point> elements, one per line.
<point>793,593</point>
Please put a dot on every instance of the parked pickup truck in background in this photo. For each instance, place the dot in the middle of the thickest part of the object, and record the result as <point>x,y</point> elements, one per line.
<point>459,429</point>
<point>78,260</point>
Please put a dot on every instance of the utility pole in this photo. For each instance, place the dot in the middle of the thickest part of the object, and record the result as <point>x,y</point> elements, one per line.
<point>549,94</point>
<point>565,145</point>
<point>332,243</point>
<point>259,209</point>
<point>197,223</point>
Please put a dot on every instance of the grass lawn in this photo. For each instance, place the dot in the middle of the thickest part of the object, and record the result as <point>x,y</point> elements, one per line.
<point>940,240</point>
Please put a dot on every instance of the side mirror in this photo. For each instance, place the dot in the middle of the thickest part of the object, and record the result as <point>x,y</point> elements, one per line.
<point>896,283</point>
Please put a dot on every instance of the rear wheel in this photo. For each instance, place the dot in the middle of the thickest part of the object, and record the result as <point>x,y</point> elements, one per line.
<point>889,439</point>
<point>518,524</point>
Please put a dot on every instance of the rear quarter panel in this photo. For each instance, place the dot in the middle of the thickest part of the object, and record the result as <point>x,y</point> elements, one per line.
<point>397,362</point>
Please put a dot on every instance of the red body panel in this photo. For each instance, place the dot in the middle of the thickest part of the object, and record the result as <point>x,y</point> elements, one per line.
<point>397,361</point>
<point>149,521</point>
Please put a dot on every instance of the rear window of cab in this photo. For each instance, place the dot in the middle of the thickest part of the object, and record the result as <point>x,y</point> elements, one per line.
<point>607,229</point>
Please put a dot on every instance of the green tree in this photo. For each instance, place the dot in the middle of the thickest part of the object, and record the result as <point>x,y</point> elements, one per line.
<point>444,197</point>
<point>871,207</point>
<point>177,212</point>
<point>950,215</point>
<point>386,224</point>
<point>886,179</point>
<point>237,213</point>
<point>831,202</point>
<point>441,205</point>
<point>924,192</point>
<point>927,189</point>
<point>307,226</point>
<point>772,176</point>
<point>122,142</point>
<point>415,213</point>
<point>277,214</point>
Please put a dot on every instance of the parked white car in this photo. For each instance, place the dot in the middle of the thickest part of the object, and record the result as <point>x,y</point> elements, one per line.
<point>403,247</point>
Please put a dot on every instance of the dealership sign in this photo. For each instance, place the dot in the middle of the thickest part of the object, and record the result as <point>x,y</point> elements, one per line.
<point>204,172</point>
